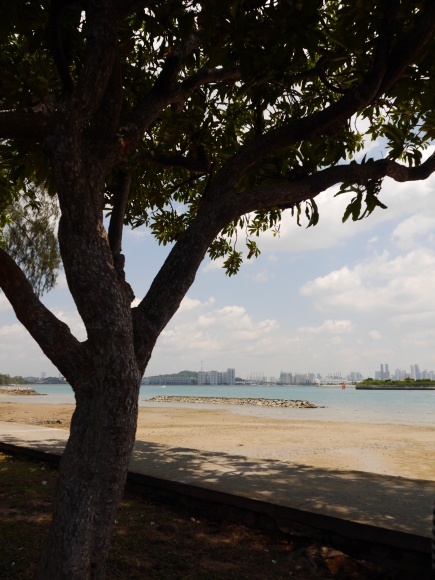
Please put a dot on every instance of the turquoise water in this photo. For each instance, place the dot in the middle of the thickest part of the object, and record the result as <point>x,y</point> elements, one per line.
<point>406,407</point>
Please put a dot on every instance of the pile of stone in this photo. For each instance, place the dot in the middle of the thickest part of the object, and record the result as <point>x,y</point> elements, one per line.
<point>15,390</point>
<point>297,404</point>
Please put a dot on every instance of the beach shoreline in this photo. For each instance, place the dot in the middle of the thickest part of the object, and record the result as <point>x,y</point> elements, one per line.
<point>388,449</point>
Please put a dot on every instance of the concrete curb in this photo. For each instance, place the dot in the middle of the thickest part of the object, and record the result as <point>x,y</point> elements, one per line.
<point>254,512</point>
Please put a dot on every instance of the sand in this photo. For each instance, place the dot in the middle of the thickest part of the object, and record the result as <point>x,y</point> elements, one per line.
<point>401,450</point>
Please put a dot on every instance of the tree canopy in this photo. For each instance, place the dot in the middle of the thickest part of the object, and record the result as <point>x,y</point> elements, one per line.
<point>273,92</point>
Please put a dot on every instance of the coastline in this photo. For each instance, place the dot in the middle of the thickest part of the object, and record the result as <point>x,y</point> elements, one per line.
<point>388,449</point>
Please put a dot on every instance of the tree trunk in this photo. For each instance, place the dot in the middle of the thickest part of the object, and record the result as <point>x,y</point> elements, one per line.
<point>93,471</point>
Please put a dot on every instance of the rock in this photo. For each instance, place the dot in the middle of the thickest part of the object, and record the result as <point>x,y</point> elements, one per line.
<point>297,404</point>
<point>17,391</point>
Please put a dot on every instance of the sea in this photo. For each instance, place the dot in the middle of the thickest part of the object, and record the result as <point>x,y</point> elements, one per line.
<point>335,403</point>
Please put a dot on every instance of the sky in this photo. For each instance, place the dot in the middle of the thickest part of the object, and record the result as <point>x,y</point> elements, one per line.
<point>336,297</point>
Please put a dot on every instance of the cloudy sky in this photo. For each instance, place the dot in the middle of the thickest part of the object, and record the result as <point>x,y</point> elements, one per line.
<point>331,298</point>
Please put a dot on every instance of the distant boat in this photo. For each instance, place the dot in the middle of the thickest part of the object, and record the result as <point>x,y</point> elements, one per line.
<point>163,387</point>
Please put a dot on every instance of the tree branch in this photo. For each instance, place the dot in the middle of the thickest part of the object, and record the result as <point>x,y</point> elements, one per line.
<point>54,33</point>
<point>330,120</point>
<point>176,276</point>
<point>164,94</point>
<point>410,47</point>
<point>308,187</point>
<point>101,46</point>
<point>147,111</point>
<point>199,165</point>
<point>118,212</point>
<point>25,126</point>
<point>53,336</point>
<point>106,118</point>
<point>202,77</point>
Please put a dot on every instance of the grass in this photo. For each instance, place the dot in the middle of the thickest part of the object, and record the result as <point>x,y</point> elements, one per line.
<point>158,541</point>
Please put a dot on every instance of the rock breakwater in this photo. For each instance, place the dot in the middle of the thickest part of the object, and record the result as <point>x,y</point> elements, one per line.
<point>12,390</point>
<point>295,404</point>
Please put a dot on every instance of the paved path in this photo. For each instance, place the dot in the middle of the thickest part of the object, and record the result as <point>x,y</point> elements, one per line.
<point>393,503</point>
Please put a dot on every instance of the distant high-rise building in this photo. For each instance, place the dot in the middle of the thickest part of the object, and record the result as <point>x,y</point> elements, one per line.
<point>285,378</point>
<point>43,375</point>
<point>398,375</point>
<point>217,378</point>
<point>231,376</point>
<point>417,372</point>
<point>387,372</point>
<point>412,372</point>
<point>382,372</point>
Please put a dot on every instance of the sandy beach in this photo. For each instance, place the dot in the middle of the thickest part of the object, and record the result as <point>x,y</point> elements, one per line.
<point>401,450</point>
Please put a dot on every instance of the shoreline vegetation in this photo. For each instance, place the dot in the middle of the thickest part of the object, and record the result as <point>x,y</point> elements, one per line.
<point>8,381</point>
<point>405,383</point>
<point>295,404</point>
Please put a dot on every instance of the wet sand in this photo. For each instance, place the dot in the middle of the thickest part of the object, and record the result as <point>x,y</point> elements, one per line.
<point>400,450</point>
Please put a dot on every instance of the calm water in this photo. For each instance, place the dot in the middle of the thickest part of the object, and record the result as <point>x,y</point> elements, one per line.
<point>406,407</point>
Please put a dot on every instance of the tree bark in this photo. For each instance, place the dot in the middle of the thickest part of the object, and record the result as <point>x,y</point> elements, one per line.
<point>93,469</point>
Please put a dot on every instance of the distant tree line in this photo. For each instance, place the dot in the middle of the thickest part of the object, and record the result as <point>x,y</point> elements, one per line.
<point>8,380</point>
<point>407,381</point>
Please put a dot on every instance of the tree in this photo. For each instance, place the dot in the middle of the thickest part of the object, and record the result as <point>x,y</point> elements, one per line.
<point>198,118</point>
<point>29,238</point>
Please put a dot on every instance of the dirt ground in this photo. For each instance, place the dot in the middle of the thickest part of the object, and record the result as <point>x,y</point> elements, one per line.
<point>162,541</point>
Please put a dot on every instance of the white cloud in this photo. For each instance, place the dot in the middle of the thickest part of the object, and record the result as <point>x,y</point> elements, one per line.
<point>417,225</point>
<point>261,277</point>
<point>330,326</point>
<point>227,334</point>
<point>397,286</point>
<point>214,265</point>
<point>373,240</point>
<point>19,352</point>
<point>336,341</point>
<point>375,335</point>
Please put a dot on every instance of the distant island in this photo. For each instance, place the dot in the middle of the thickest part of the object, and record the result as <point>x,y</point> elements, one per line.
<point>7,380</point>
<point>385,385</point>
<point>390,382</point>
